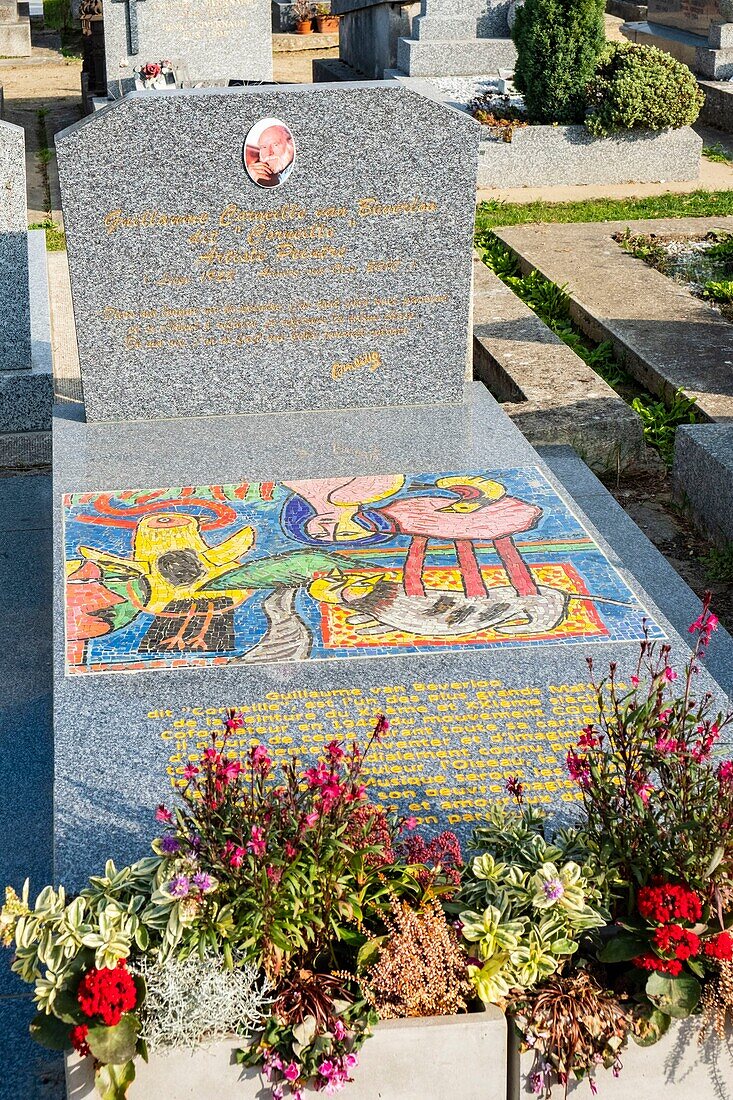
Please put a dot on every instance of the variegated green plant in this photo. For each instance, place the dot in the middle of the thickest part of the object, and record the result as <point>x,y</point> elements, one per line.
<point>525,902</point>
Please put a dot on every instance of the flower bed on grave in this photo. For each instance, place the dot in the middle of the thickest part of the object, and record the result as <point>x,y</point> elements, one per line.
<point>587,111</point>
<point>283,907</point>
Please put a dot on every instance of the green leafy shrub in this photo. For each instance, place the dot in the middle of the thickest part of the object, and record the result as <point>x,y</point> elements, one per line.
<point>641,88</point>
<point>559,44</point>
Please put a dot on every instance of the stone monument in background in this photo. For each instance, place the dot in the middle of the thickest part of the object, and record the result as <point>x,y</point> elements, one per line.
<point>204,42</point>
<point>696,32</point>
<point>26,384</point>
<point>15,31</point>
<point>424,38</point>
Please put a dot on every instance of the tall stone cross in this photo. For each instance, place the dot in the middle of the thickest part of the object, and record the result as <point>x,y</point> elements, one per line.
<point>132,35</point>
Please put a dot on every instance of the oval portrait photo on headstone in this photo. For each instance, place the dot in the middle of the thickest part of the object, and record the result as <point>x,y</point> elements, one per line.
<point>269,152</point>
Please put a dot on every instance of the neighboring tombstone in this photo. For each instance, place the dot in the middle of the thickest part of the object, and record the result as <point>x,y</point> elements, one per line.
<point>313,568</point>
<point>198,292</point>
<point>15,31</point>
<point>25,366</point>
<point>369,31</point>
<point>208,40</point>
<point>464,38</point>
<point>696,32</point>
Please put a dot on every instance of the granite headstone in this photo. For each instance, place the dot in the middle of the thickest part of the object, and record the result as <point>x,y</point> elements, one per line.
<point>342,280</point>
<point>211,40</point>
<point>15,316</point>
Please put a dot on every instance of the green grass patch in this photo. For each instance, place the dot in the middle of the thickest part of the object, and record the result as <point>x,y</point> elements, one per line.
<point>55,236</point>
<point>696,204</point>
<point>660,421</point>
<point>719,290</point>
<point>718,563</point>
<point>717,152</point>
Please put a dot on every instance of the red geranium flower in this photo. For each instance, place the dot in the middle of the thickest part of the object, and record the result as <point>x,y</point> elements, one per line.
<point>107,993</point>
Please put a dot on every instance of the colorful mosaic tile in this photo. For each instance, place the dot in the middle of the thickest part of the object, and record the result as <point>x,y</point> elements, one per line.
<point>333,568</point>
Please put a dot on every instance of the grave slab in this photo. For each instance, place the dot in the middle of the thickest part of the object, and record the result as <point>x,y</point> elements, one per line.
<point>209,40</point>
<point>15,337</point>
<point>667,338</point>
<point>319,606</point>
<point>198,292</point>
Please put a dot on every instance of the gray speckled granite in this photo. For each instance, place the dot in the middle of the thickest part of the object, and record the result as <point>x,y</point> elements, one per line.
<point>546,156</point>
<point>26,396</point>
<point>114,733</point>
<point>337,329</point>
<point>15,316</point>
<point>209,39</point>
<point>25,711</point>
<point>703,474</point>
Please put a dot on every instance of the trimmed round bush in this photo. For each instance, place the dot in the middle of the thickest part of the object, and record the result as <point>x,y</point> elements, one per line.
<point>559,44</point>
<point>641,88</point>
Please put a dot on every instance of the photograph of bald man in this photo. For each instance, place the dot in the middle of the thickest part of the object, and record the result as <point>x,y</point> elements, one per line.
<point>269,153</point>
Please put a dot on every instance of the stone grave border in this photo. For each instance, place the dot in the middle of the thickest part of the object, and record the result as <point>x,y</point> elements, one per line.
<point>615,297</point>
<point>703,476</point>
<point>544,386</point>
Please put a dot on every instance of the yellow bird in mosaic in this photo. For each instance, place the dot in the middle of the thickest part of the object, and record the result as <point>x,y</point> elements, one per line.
<point>169,551</point>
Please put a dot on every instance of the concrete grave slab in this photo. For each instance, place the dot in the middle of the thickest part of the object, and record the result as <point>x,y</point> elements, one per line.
<point>668,339</point>
<point>207,39</point>
<point>466,712</point>
<point>547,390</point>
<point>198,292</point>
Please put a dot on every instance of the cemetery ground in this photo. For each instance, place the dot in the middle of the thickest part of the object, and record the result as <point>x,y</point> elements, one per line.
<point>539,246</point>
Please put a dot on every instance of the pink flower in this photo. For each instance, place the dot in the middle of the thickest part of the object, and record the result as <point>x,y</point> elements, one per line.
<point>163,814</point>
<point>725,771</point>
<point>290,850</point>
<point>635,681</point>
<point>310,819</point>
<point>410,823</point>
<point>643,788</point>
<point>381,727</point>
<point>277,1092</point>
<point>256,844</point>
<point>351,1060</point>
<point>669,674</point>
<point>233,854</point>
<point>339,1031</point>
<point>229,770</point>
<point>666,745</point>
<point>274,874</point>
<point>588,739</point>
<point>234,722</point>
<point>292,1072</point>
<point>327,1069</point>
<point>317,777</point>
<point>578,768</point>
<point>190,771</point>
<point>334,750</point>
<point>259,759</point>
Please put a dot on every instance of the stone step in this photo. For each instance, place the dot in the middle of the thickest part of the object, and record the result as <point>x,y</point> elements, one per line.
<point>427,28</point>
<point>455,57</point>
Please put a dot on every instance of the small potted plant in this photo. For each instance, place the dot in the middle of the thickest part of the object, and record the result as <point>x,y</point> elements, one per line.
<point>325,22</point>
<point>302,11</point>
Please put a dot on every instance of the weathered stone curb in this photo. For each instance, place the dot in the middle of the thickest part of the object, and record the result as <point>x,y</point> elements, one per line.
<point>717,110</point>
<point>703,475</point>
<point>549,392</point>
<point>549,156</point>
<point>667,339</point>
<point>416,1059</point>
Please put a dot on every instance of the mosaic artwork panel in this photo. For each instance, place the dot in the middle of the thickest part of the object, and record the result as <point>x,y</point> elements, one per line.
<point>333,568</point>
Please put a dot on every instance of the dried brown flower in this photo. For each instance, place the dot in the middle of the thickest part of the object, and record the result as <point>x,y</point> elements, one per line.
<point>717,1002</point>
<point>573,1024</point>
<point>421,969</point>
